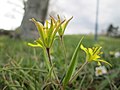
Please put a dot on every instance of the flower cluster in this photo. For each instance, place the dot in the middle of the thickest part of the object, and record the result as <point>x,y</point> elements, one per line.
<point>48,31</point>
<point>93,54</point>
<point>47,34</point>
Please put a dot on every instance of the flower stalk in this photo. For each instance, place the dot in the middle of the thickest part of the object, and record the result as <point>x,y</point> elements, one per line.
<point>48,53</point>
<point>78,71</point>
<point>54,73</point>
<point>64,49</point>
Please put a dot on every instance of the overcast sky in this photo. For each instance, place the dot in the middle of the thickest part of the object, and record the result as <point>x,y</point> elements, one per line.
<point>83,11</point>
<point>11,13</point>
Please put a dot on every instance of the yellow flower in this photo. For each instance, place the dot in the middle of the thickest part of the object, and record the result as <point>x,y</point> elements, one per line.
<point>62,26</point>
<point>93,54</point>
<point>47,33</point>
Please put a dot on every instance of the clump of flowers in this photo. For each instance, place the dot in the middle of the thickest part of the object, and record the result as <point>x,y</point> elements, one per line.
<point>47,34</point>
<point>62,26</point>
<point>93,54</point>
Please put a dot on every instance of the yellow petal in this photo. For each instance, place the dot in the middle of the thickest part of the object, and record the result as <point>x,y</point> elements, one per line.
<point>58,18</point>
<point>96,57</point>
<point>90,51</point>
<point>105,62</point>
<point>40,28</point>
<point>98,50</point>
<point>34,45</point>
<point>39,41</point>
<point>83,48</point>
<point>99,64</point>
<point>46,24</point>
<point>64,25</point>
<point>52,18</point>
<point>87,52</point>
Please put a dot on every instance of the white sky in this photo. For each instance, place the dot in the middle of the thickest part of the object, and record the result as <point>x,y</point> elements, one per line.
<point>11,13</point>
<point>83,12</point>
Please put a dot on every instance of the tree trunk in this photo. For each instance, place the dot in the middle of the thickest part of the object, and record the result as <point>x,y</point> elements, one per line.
<point>33,9</point>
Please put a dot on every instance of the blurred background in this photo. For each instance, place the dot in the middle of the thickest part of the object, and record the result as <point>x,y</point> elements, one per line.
<point>89,15</point>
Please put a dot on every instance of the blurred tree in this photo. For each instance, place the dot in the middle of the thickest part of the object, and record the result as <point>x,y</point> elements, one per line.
<point>33,9</point>
<point>112,31</point>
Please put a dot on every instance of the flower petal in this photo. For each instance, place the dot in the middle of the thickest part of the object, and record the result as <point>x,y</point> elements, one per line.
<point>90,51</point>
<point>95,57</point>
<point>84,49</point>
<point>99,64</point>
<point>105,62</point>
<point>34,45</point>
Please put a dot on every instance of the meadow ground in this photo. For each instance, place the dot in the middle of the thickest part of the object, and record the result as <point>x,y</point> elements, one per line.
<point>22,67</point>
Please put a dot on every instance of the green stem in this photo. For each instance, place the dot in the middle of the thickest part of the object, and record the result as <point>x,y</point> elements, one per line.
<point>48,52</point>
<point>65,53</point>
<point>77,72</point>
<point>46,60</point>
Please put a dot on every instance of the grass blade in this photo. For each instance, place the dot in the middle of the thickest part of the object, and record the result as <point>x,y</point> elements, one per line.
<point>72,65</point>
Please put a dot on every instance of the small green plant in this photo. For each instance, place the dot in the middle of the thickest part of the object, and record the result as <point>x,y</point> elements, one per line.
<point>47,34</point>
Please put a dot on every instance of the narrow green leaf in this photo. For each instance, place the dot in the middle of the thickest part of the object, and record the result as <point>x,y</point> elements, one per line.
<point>72,65</point>
<point>50,74</point>
<point>46,60</point>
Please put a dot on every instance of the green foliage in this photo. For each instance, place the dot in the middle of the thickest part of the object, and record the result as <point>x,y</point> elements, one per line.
<point>72,65</point>
<point>32,70</point>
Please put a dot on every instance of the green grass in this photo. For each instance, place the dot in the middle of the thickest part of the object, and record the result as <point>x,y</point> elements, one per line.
<point>23,67</point>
